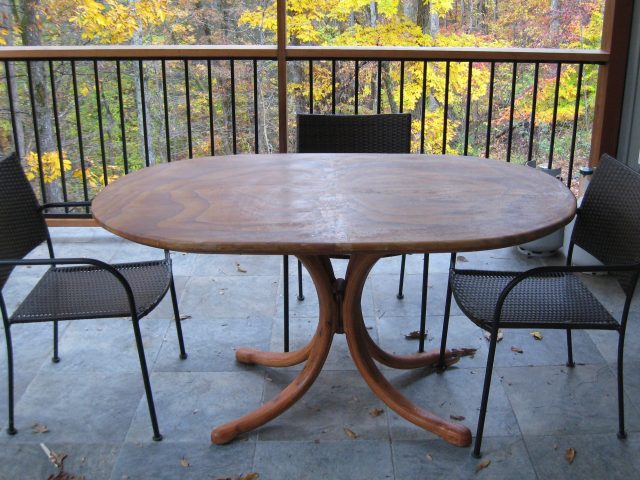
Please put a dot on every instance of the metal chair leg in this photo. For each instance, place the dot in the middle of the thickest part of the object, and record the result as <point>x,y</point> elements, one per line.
<point>423,304</point>
<point>621,431</point>
<point>400,295</point>
<point>55,358</point>
<point>176,315</point>
<point>570,362</point>
<point>11,429</point>
<point>300,293</point>
<point>145,378</point>
<point>485,392</point>
<point>445,322</point>
<point>285,269</point>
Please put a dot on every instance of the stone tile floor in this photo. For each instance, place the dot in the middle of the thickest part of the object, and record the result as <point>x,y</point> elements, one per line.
<point>93,405</point>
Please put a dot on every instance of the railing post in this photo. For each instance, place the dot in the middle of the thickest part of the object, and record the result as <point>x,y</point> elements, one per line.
<point>616,31</point>
<point>283,133</point>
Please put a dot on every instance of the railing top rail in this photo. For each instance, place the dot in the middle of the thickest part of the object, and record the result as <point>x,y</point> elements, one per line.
<point>476,54</point>
<point>269,52</point>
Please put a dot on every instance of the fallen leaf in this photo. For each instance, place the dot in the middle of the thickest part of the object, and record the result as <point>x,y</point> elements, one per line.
<point>184,462</point>
<point>376,412</point>
<point>570,455</point>
<point>461,259</point>
<point>39,428</point>
<point>516,350</point>
<point>536,335</point>
<point>415,335</point>
<point>250,476</point>
<point>239,268</point>
<point>482,465</point>
<point>350,433</point>
<point>464,351</point>
<point>457,418</point>
<point>429,457</point>
<point>487,335</point>
<point>185,317</point>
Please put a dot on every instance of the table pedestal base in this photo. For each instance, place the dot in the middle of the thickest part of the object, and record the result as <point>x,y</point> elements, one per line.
<point>340,312</point>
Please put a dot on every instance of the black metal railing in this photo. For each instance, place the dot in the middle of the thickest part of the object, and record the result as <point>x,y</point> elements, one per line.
<point>82,117</point>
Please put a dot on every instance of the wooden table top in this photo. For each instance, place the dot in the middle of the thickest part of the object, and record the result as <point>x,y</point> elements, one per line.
<point>334,204</point>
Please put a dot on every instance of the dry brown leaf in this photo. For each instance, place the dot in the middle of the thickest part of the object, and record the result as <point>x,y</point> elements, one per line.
<point>457,418</point>
<point>185,317</point>
<point>536,335</point>
<point>482,465</point>
<point>487,335</point>
<point>39,428</point>
<point>461,259</point>
<point>464,351</point>
<point>570,455</point>
<point>184,462</point>
<point>376,412</point>
<point>239,268</point>
<point>250,476</point>
<point>516,350</point>
<point>415,335</point>
<point>350,433</point>
<point>429,457</point>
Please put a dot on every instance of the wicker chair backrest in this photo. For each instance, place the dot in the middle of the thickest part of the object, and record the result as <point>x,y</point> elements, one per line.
<point>22,225</point>
<point>386,133</point>
<point>608,223</point>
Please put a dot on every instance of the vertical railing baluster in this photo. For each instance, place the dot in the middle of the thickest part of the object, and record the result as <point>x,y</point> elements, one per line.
<point>379,88</point>
<point>511,110</point>
<point>36,132</point>
<point>256,147</point>
<point>310,86</point>
<point>333,86</point>
<point>554,119</point>
<point>445,122</point>
<point>210,96</point>
<point>187,91</point>
<point>401,108</point>
<point>424,104</point>
<point>12,109</point>
<point>123,129</point>
<point>143,100</point>
<point>534,102</point>
<point>96,77</point>
<point>56,123</point>
<point>76,102</point>
<point>574,133</point>
<point>356,86</point>
<point>165,106</point>
<point>492,77</point>
<point>468,110</point>
<point>233,105</point>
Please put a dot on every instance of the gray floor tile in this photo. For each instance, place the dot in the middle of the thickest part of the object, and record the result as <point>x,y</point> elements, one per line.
<point>211,344</point>
<point>28,461</point>
<point>597,456</point>
<point>183,460</point>
<point>346,460</point>
<point>190,404</point>
<point>456,392</point>
<point>83,407</point>
<point>229,297</point>
<point>337,400</point>
<point>555,400</point>
<point>237,265</point>
<point>437,459</point>
<point>607,341</point>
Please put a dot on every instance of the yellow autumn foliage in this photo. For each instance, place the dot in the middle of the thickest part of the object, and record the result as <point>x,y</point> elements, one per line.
<point>50,165</point>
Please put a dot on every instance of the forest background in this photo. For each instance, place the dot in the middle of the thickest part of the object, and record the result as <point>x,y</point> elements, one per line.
<point>96,120</point>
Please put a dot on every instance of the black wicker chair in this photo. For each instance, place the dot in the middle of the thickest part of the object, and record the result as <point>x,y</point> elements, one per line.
<point>88,289</point>
<point>386,133</point>
<point>608,227</point>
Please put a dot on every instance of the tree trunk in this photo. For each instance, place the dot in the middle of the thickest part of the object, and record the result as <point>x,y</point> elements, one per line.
<point>31,35</point>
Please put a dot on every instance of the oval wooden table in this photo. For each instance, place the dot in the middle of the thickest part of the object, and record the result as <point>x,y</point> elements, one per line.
<point>317,205</point>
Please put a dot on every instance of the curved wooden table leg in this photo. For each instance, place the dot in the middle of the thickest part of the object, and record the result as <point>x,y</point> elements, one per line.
<point>323,279</point>
<point>357,271</point>
<point>252,356</point>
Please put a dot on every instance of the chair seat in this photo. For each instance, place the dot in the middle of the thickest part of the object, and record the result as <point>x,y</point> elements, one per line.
<point>550,300</point>
<point>71,293</point>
